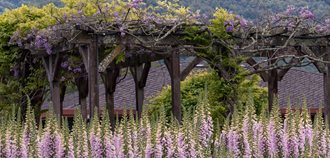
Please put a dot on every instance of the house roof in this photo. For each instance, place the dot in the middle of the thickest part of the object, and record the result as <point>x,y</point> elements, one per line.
<point>298,85</point>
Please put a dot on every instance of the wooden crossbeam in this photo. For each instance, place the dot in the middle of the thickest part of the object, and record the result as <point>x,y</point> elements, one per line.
<point>188,69</point>
<point>263,74</point>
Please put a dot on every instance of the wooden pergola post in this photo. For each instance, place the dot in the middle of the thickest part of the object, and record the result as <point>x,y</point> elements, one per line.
<point>93,76</point>
<point>272,88</point>
<point>109,78</point>
<point>82,86</point>
<point>82,83</point>
<point>140,75</point>
<point>173,66</point>
<point>326,80</point>
<point>52,65</point>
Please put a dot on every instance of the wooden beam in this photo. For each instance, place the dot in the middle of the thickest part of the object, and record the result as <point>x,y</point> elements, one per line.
<point>167,63</point>
<point>93,77</point>
<point>188,69</point>
<point>83,51</point>
<point>305,50</point>
<point>109,78</point>
<point>145,73</point>
<point>263,74</point>
<point>110,58</point>
<point>173,65</point>
<point>140,75</point>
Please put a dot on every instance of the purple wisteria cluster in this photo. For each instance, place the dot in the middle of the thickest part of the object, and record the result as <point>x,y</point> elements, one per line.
<point>236,24</point>
<point>247,135</point>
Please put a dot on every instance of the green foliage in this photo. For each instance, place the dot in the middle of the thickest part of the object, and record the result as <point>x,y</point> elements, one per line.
<point>218,91</point>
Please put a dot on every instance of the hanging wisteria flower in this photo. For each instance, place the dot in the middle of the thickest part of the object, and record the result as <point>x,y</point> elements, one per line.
<point>229,25</point>
<point>290,9</point>
<point>327,23</point>
<point>306,13</point>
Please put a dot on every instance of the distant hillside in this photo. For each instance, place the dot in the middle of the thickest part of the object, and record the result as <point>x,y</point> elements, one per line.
<point>251,9</point>
<point>254,9</point>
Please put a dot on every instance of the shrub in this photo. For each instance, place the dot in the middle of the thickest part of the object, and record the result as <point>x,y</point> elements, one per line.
<point>217,91</point>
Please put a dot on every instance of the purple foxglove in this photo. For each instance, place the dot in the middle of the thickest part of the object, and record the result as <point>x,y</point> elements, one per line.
<point>233,143</point>
<point>118,145</point>
<point>272,139</point>
<point>169,145</point>
<point>159,144</point>
<point>180,145</point>
<point>258,140</point>
<point>96,145</point>
<point>11,146</point>
<point>245,134</point>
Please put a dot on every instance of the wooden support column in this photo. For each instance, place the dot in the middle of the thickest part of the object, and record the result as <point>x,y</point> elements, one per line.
<point>173,65</point>
<point>82,85</point>
<point>272,85</point>
<point>272,88</point>
<point>140,75</point>
<point>62,93</point>
<point>52,65</point>
<point>109,78</point>
<point>326,80</point>
<point>93,77</point>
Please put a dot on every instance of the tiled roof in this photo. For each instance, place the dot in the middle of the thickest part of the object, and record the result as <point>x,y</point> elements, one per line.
<point>299,85</point>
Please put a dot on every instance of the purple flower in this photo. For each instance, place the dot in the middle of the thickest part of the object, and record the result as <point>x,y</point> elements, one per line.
<point>168,144</point>
<point>258,142</point>
<point>285,142</point>
<point>289,10</point>
<point>327,23</point>
<point>65,64</point>
<point>134,3</point>
<point>181,146</point>
<point>243,22</point>
<point>229,26</point>
<point>320,29</point>
<point>272,140</point>
<point>51,145</point>
<point>233,142</point>
<point>96,145</point>
<point>206,129</point>
<point>77,70</point>
<point>118,145</point>
<point>245,133</point>
<point>306,14</point>
<point>108,146</point>
<point>11,146</point>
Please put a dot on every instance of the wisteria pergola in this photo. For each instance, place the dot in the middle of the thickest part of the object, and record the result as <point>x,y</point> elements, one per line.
<point>291,39</point>
<point>140,50</point>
